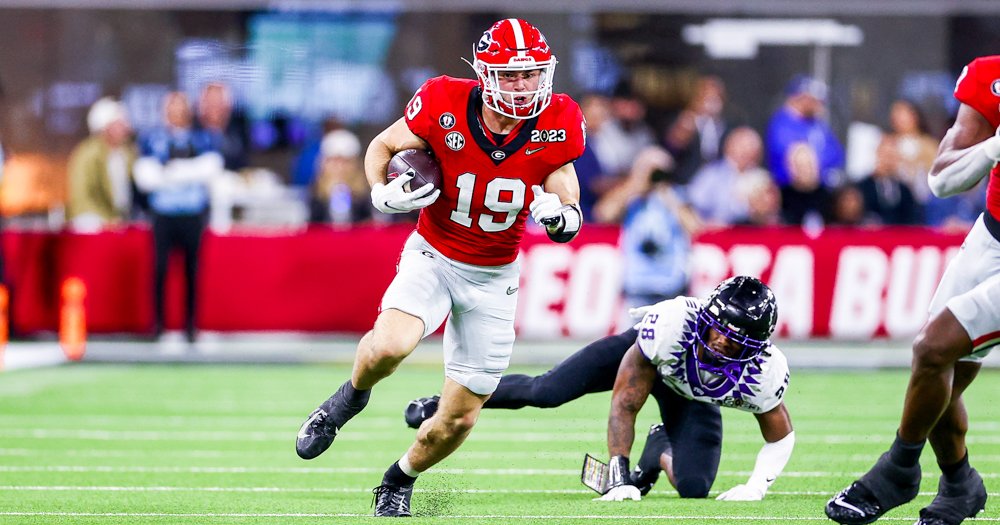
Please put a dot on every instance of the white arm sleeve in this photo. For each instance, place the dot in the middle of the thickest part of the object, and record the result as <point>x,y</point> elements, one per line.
<point>967,171</point>
<point>148,173</point>
<point>202,168</point>
<point>771,460</point>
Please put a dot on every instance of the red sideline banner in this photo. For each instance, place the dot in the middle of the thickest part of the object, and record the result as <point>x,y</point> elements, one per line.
<point>843,283</point>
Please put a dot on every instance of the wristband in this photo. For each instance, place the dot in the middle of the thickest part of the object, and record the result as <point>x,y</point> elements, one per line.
<point>618,472</point>
<point>569,224</point>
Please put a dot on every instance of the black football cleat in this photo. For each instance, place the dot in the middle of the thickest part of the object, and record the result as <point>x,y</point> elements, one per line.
<point>392,500</point>
<point>955,501</point>
<point>885,487</point>
<point>648,469</point>
<point>420,410</point>
<point>854,505</point>
<point>320,429</point>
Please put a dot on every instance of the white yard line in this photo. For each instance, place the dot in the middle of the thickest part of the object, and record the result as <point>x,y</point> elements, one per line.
<point>256,436</point>
<point>462,516</point>
<point>460,454</point>
<point>367,470</point>
<point>353,490</point>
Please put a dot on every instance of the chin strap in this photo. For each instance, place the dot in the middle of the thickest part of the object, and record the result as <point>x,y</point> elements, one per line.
<point>568,224</point>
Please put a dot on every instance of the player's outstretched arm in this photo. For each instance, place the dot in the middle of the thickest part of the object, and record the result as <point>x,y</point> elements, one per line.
<point>776,427</point>
<point>633,384</point>
<point>967,153</point>
<point>557,206</point>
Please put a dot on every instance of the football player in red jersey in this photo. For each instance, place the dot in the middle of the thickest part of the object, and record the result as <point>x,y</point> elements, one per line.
<point>506,145</point>
<point>964,326</point>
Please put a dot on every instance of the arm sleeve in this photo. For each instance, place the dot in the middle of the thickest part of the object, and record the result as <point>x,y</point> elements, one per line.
<point>771,460</point>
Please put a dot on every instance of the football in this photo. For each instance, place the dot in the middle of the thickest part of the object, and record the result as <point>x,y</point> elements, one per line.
<point>426,169</point>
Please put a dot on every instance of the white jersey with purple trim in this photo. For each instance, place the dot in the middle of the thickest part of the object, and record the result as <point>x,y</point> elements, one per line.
<point>667,338</point>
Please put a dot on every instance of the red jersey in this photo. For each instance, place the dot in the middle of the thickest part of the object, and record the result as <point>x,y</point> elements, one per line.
<point>979,87</point>
<point>486,185</point>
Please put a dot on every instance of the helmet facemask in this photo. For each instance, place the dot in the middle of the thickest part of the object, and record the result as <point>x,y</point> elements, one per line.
<point>493,96</point>
<point>716,363</point>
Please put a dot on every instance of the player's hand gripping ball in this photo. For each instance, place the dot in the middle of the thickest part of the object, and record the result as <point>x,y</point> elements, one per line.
<point>425,169</point>
<point>412,180</point>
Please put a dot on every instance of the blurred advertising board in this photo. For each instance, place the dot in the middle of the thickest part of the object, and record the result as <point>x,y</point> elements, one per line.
<point>845,284</point>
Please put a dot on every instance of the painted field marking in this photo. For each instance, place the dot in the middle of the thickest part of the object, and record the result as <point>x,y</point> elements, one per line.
<point>462,516</point>
<point>349,490</point>
<point>367,470</point>
<point>256,436</point>
<point>459,454</point>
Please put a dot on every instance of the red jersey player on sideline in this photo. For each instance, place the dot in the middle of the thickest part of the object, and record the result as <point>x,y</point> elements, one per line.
<point>964,326</point>
<point>500,141</point>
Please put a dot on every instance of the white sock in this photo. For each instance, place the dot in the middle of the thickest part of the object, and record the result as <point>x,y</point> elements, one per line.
<point>404,465</point>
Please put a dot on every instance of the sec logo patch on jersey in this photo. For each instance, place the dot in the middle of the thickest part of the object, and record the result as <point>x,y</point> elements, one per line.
<point>454,140</point>
<point>995,87</point>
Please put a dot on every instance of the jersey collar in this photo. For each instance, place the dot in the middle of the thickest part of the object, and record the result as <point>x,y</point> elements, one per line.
<point>496,153</point>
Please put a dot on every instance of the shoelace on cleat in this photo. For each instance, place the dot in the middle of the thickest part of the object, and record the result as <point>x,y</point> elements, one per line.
<point>319,424</point>
<point>397,497</point>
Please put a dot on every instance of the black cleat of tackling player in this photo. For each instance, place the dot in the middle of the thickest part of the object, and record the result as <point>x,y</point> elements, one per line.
<point>648,469</point>
<point>320,429</point>
<point>955,501</point>
<point>855,505</point>
<point>392,500</point>
<point>420,410</point>
<point>885,487</point>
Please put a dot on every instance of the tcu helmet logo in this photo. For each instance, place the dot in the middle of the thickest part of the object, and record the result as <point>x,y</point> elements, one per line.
<point>995,87</point>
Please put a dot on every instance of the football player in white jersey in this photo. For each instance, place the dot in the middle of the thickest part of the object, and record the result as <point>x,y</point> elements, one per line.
<point>716,352</point>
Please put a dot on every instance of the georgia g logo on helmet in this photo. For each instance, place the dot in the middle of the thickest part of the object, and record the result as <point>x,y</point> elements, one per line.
<point>514,45</point>
<point>484,42</point>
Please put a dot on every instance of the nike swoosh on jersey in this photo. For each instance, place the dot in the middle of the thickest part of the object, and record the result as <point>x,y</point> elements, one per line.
<point>511,290</point>
<point>536,150</point>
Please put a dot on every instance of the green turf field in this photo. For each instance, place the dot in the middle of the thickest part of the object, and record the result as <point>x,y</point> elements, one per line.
<point>90,443</point>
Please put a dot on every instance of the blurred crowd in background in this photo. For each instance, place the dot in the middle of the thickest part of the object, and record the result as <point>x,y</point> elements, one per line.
<point>664,164</point>
<point>700,170</point>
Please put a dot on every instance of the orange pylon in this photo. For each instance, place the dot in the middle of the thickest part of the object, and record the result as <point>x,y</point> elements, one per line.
<point>4,322</point>
<point>73,319</point>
